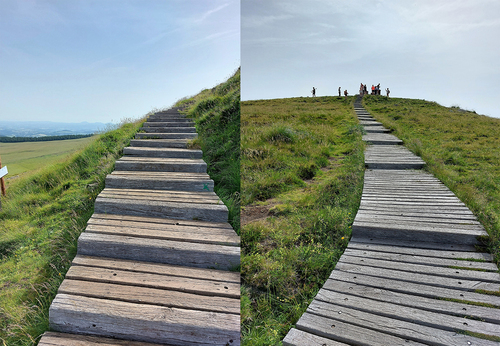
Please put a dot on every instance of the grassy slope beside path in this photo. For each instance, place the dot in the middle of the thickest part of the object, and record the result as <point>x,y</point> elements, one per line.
<point>461,148</point>
<point>302,168</point>
<point>42,217</point>
<point>216,112</point>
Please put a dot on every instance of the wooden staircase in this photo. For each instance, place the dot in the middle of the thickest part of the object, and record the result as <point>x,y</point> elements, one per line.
<point>410,274</point>
<point>156,263</point>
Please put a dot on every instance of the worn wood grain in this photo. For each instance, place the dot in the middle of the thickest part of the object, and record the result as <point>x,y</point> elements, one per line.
<point>297,337</point>
<point>159,221</point>
<point>156,268</point>
<point>66,339</point>
<point>160,251</point>
<point>151,296</point>
<point>76,314</point>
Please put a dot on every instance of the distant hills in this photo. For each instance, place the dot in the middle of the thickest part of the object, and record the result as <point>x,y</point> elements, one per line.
<point>49,128</point>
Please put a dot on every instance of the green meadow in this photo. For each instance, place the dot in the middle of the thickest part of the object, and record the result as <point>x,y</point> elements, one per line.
<point>301,179</point>
<point>28,156</point>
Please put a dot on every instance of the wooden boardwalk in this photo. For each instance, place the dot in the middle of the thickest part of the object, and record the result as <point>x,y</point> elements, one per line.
<point>410,274</point>
<point>154,263</point>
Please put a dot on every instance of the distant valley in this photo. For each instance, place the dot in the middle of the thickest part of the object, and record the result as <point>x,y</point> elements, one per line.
<point>49,128</point>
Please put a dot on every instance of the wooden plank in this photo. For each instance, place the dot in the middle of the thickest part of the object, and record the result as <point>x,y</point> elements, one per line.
<point>430,304</point>
<point>166,135</point>
<point>159,251</point>
<point>297,337</point>
<point>153,208</point>
<point>208,196</point>
<point>148,323</point>
<point>433,280</point>
<point>65,339</point>
<point>165,282</point>
<point>394,327</point>
<point>159,143</point>
<point>413,244</point>
<point>348,333</point>
<point>159,221</point>
<point>159,183</point>
<point>452,254</point>
<point>429,261</point>
<point>163,152</point>
<point>204,231</point>
<point>414,288</point>
<point>160,269</point>
<point>152,296</point>
<point>191,237</point>
<point>397,312</point>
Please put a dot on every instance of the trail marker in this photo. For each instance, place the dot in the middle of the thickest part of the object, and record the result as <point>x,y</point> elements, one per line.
<point>3,172</point>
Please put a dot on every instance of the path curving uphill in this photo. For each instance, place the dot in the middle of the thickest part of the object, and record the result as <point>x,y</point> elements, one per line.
<point>154,263</point>
<point>411,274</point>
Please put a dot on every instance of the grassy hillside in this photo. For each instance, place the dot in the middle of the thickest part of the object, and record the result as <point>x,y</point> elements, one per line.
<point>302,168</point>
<point>216,113</point>
<point>29,156</point>
<point>45,212</point>
<point>41,219</point>
<point>460,147</point>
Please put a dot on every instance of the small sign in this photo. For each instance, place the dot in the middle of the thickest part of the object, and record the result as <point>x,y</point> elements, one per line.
<point>3,172</point>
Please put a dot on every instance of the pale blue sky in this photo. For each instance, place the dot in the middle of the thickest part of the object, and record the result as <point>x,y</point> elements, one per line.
<point>438,50</point>
<point>102,61</point>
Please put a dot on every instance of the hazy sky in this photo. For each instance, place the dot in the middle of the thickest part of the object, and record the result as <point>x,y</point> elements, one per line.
<point>439,50</point>
<point>102,61</point>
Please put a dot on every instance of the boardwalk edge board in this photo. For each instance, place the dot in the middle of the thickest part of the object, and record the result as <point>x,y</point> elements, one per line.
<point>153,266</point>
<point>411,274</point>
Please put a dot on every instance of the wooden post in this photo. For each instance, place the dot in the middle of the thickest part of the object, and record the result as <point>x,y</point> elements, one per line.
<point>2,182</point>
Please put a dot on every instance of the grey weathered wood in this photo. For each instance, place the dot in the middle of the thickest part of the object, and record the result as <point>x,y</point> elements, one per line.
<point>76,314</point>
<point>391,326</point>
<point>157,268</point>
<point>166,135</point>
<point>348,333</point>
<point>189,129</point>
<point>152,296</point>
<point>414,301</point>
<point>420,289</point>
<point>168,123</point>
<point>175,210</point>
<point>159,143</point>
<point>191,237</point>
<point>160,251</point>
<point>160,164</point>
<point>414,244</point>
<point>417,259</point>
<point>297,337</point>
<point>156,281</point>
<point>163,152</point>
<point>65,339</point>
<point>432,280</point>
<point>142,180</point>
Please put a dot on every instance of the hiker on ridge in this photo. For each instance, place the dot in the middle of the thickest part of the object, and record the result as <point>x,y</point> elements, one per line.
<point>314,91</point>
<point>339,92</point>
<point>345,93</point>
<point>387,91</point>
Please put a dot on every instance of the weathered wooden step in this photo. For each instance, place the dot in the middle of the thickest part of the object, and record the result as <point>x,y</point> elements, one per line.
<point>203,206</point>
<point>159,181</point>
<point>160,164</point>
<point>175,233</point>
<point>190,129</point>
<point>159,251</point>
<point>168,123</point>
<point>297,337</point>
<point>164,152</point>
<point>159,143</point>
<point>382,139</point>
<point>141,322</point>
<point>180,135</point>
<point>66,339</point>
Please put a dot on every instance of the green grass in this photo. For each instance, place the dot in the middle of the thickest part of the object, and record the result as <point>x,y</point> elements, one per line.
<point>28,156</point>
<point>41,218</point>
<point>217,117</point>
<point>302,168</point>
<point>461,149</point>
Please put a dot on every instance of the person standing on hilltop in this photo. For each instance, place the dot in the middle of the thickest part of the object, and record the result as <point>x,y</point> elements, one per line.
<point>387,91</point>
<point>339,92</point>
<point>314,92</point>
<point>345,93</point>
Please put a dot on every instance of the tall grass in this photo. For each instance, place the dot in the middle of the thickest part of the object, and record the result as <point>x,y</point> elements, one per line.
<point>302,169</point>
<point>40,221</point>
<point>461,148</point>
<point>216,113</point>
